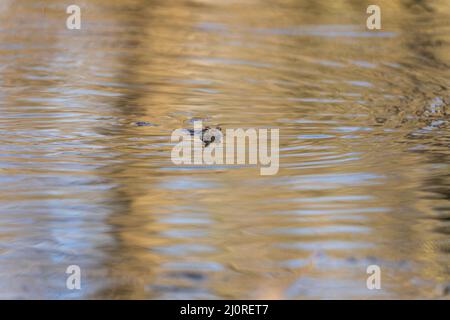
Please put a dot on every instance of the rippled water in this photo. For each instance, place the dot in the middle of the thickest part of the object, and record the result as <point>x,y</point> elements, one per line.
<point>364,140</point>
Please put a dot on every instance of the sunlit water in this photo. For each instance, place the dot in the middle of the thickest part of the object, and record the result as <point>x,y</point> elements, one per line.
<point>364,140</point>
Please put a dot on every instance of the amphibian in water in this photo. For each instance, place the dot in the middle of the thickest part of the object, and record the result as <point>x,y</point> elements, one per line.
<point>207,135</point>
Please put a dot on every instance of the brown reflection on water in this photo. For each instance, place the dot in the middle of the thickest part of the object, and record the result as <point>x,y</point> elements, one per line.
<point>364,153</point>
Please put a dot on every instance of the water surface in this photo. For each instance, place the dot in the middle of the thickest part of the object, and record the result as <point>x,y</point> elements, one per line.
<point>364,141</point>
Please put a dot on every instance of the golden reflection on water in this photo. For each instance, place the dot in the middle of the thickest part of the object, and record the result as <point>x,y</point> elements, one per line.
<point>364,175</point>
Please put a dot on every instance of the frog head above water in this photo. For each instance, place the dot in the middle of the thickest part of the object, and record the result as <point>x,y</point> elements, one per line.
<point>208,134</point>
